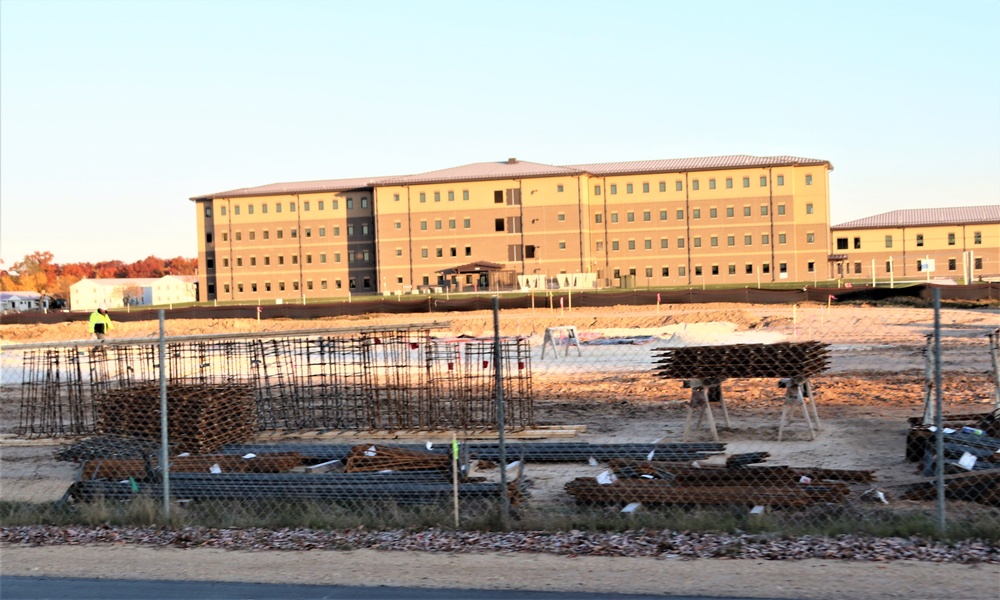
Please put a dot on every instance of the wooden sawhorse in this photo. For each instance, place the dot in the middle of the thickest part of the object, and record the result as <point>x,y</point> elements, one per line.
<point>703,392</point>
<point>798,394</point>
<point>568,332</point>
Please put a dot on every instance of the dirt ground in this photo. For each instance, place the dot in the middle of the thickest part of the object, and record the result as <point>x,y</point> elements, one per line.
<point>875,382</point>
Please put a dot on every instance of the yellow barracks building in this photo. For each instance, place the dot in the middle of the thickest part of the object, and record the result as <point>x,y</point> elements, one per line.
<point>730,220</point>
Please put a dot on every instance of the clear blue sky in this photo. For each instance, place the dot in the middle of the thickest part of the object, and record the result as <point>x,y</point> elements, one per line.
<point>113,114</point>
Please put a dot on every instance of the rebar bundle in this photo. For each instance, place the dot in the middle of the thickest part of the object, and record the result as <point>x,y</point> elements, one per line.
<point>201,418</point>
<point>118,469</point>
<point>785,359</point>
<point>659,491</point>
<point>371,457</point>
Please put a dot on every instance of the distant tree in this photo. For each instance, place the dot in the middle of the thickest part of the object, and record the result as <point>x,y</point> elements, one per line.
<point>35,273</point>
<point>181,266</point>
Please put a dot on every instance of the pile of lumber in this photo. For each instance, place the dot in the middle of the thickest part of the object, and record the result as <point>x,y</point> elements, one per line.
<point>201,418</point>
<point>785,359</point>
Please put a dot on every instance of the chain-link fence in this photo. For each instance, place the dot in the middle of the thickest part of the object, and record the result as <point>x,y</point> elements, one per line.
<point>816,417</point>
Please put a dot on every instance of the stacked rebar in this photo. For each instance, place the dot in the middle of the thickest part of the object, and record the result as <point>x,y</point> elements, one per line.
<point>372,457</point>
<point>118,469</point>
<point>201,418</point>
<point>785,359</point>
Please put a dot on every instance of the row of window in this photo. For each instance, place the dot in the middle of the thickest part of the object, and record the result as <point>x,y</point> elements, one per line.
<point>842,243</point>
<point>699,270</point>
<point>713,213</point>
<point>306,206</point>
<point>359,256</point>
<point>366,283</point>
<point>857,267</point>
<point>695,185</point>
<point>364,230</point>
<point>765,240</point>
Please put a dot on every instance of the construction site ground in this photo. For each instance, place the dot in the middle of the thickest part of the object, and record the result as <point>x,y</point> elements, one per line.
<point>875,383</point>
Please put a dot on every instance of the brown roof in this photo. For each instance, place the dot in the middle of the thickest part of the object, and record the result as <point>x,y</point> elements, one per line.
<point>295,187</point>
<point>697,164</point>
<point>920,217</point>
<point>516,169</point>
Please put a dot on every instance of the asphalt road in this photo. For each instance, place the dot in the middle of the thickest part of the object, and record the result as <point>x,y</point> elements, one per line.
<point>37,588</point>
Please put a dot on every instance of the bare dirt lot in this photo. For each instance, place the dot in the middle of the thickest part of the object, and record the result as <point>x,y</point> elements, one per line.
<point>874,383</point>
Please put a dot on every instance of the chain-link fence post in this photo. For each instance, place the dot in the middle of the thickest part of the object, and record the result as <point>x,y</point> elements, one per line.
<point>498,370</point>
<point>938,415</point>
<point>164,429</point>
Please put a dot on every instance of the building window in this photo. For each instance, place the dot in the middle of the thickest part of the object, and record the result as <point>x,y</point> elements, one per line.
<point>680,215</point>
<point>336,205</point>
<point>696,213</point>
<point>764,210</point>
<point>920,239</point>
<point>597,190</point>
<point>295,259</point>
<point>250,209</point>
<point>746,182</point>
<point>253,287</point>
<point>888,241</point>
<point>628,188</point>
<point>663,215</point>
<point>663,243</point>
<point>225,236</point>
<point>765,239</point>
<point>694,185</point>
<point>236,209</point>
<point>322,257</point>
<point>663,186</point>
<point>465,194</point>
<point>336,257</point>
<point>951,239</point>
<point>645,188</point>
<point>665,271</point>
<point>559,188</point>
<point>649,272</point>
<point>423,198</point>
<point>730,211</point>
<point>467,223</point>
<point>811,267</point>
<point>809,209</point>
<point>208,211</point>
<point>747,211</point>
<point>711,184</point>
<point>562,245</point>
<point>452,224</point>
<point>277,207</point>
<point>281,234</point>
<point>749,269</point>
<point>679,186</point>
<point>253,261</point>
<point>209,263</point>
<point>631,244</point>
<point>680,242</point>
<point>697,270</point>
<point>713,213</point>
<point>809,179</point>
<point>763,181</point>
<point>561,217</point>
<point>614,245</point>
<point>437,224</point>
<point>600,246</point>
<point>399,251</point>
<point>748,240</point>
<point>951,264</point>
<point>614,189</point>
<point>614,217</point>
<point>395,197</point>
<point>979,263</point>
<point>731,240</point>
<point>647,216</point>
<point>714,241</point>
<point>598,218</point>
<point>225,263</point>
<point>498,224</point>
<point>697,242</point>
<point>765,267</point>
<point>732,269</point>
<point>782,238</point>
<point>322,284</point>
<point>423,225</point>
<point>437,196</point>
<point>783,267</point>
<point>857,268</point>
<point>781,180</point>
<point>208,238</point>
<point>423,253</point>
<point>857,243</point>
<point>439,252</point>
<point>681,271</point>
<point>810,238</point>
<point>630,217</point>
<point>451,196</point>
<point>295,233</point>
<point>350,231</point>
<point>781,209</point>
<point>468,250</point>
<point>977,237</point>
<point>239,262</point>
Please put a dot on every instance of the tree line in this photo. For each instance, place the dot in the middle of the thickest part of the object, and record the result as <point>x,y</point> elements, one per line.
<point>38,273</point>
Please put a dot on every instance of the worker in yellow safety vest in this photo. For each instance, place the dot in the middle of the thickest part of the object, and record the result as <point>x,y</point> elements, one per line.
<point>100,323</point>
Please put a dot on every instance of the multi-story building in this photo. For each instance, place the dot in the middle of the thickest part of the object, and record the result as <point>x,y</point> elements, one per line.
<point>959,242</point>
<point>724,220</point>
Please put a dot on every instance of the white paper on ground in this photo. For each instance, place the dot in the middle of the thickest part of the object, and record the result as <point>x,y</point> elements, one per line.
<point>251,455</point>
<point>968,460</point>
<point>607,477</point>
<point>593,461</point>
<point>757,510</point>
<point>430,445</point>
<point>215,469</point>
<point>184,454</point>
<point>948,430</point>
<point>513,466</point>
<point>805,479</point>
<point>650,455</point>
<point>881,496</point>
<point>370,451</point>
<point>632,507</point>
<point>646,476</point>
<point>932,429</point>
